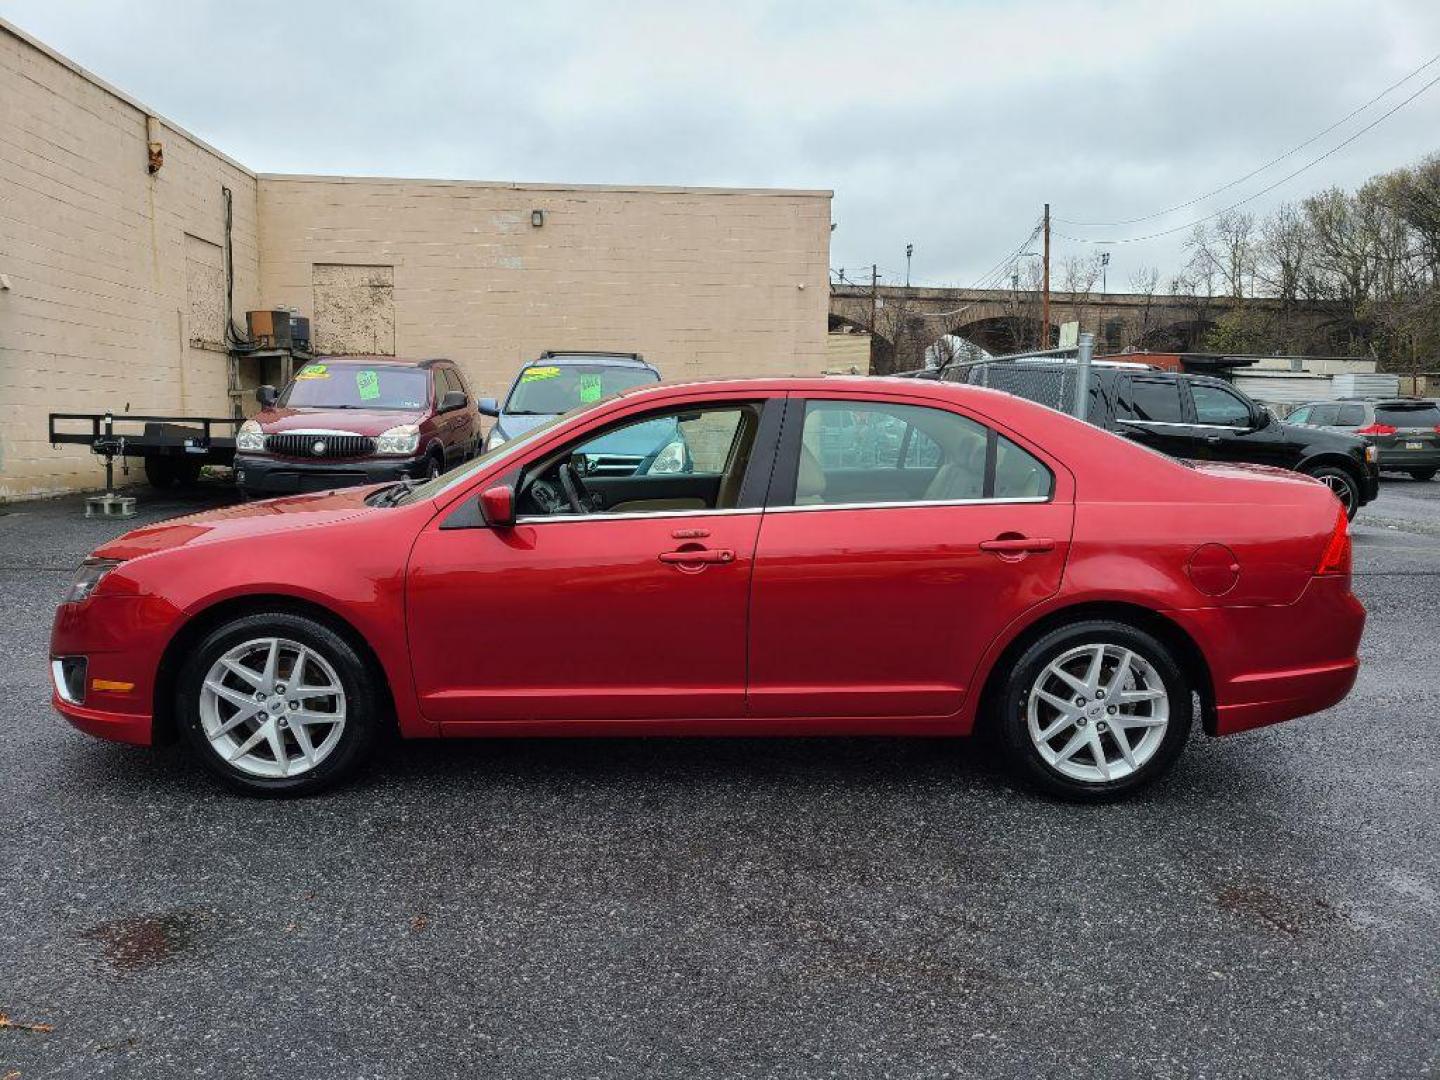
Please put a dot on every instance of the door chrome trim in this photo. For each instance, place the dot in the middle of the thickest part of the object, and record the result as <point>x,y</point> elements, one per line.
<point>557,519</point>
<point>910,504</point>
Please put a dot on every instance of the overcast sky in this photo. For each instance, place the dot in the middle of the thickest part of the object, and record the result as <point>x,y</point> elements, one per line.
<point>942,124</point>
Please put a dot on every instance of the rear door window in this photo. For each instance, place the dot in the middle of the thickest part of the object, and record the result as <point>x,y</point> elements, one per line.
<point>1325,415</point>
<point>1424,414</point>
<point>1155,401</point>
<point>1299,416</point>
<point>1351,416</point>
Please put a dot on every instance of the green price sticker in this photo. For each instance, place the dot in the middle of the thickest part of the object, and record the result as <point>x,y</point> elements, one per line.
<point>368,383</point>
<point>590,388</point>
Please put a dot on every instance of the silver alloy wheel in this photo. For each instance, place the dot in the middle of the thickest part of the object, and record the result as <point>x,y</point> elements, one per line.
<point>272,708</point>
<point>1341,488</point>
<point>1098,713</point>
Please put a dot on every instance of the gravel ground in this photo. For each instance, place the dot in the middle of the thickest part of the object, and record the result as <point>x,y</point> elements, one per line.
<point>728,908</point>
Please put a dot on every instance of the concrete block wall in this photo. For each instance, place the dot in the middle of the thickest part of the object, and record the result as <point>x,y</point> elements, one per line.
<point>704,282</point>
<point>112,271</point>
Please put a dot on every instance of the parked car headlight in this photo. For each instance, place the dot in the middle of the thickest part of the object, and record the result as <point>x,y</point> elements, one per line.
<point>250,438</point>
<point>404,439</point>
<point>87,577</point>
<point>672,459</point>
<point>495,438</point>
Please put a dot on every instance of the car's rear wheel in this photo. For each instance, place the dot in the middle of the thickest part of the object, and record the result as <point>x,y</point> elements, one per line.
<point>1095,710</point>
<point>1422,474</point>
<point>277,704</point>
<point>1342,484</point>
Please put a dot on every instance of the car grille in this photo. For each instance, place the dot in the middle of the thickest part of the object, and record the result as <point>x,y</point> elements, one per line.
<point>320,445</point>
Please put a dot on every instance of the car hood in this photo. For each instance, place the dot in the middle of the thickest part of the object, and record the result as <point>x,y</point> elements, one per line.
<point>242,520</point>
<point>360,421</point>
<point>512,424</point>
<point>1341,441</point>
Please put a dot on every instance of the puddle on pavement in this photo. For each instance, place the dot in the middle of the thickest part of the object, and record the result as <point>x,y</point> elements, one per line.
<point>138,942</point>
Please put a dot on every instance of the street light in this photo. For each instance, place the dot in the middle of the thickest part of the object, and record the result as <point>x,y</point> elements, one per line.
<point>1104,270</point>
<point>909,250</point>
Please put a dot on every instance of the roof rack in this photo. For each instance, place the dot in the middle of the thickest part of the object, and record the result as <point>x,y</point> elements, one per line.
<point>611,354</point>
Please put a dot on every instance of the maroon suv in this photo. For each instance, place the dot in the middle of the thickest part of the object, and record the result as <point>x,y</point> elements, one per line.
<point>356,420</point>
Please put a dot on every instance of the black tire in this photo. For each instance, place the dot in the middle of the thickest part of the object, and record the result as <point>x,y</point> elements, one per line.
<point>1012,728</point>
<point>364,709</point>
<point>1422,474</point>
<point>436,466</point>
<point>160,473</point>
<point>1333,477</point>
<point>187,472</point>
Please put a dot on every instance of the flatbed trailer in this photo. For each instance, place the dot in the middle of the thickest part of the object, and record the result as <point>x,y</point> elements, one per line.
<point>173,447</point>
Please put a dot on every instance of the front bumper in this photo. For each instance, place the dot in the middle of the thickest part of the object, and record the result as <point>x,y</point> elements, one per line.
<point>265,475</point>
<point>121,639</point>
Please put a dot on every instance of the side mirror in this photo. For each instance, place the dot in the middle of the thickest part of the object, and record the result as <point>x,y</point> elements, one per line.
<point>488,406</point>
<point>453,399</point>
<point>267,396</point>
<point>1260,418</point>
<point>497,506</point>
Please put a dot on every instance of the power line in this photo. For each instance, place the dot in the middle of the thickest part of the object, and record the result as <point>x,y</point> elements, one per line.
<point>1263,168</point>
<point>1266,190</point>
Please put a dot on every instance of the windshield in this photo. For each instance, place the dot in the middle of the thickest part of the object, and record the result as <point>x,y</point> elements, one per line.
<point>432,488</point>
<point>328,385</point>
<point>543,389</point>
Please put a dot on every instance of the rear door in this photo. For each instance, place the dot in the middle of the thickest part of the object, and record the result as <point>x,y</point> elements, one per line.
<point>1150,410</point>
<point>885,568</point>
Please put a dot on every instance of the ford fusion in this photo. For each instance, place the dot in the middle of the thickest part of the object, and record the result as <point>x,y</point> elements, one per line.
<point>841,556</point>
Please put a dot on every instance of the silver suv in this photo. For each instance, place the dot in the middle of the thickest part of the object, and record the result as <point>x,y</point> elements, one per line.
<point>1404,431</point>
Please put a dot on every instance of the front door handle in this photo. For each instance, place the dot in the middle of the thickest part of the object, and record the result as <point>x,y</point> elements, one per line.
<point>704,555</point>
<point>1017,545</point>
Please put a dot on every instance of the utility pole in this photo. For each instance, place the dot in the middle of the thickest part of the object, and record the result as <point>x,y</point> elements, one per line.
<point>1104,270</point>
<point>874,309</point>
<point>1045,287</point>
<point>909,250</point>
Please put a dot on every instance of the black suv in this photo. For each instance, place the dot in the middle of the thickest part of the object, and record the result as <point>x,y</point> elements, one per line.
<point>1190,416</point>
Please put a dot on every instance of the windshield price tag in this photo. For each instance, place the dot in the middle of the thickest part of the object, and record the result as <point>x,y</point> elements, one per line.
<point>313,371</point>
<point>590,388</point>
<point>368,383</point>
<point>535,374</point>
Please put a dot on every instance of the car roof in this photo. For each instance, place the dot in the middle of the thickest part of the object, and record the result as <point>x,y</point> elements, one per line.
<point>392,361</point>
<point>600,358</point>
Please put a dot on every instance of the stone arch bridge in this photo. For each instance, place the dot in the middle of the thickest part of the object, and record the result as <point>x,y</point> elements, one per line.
<point>907,320</point>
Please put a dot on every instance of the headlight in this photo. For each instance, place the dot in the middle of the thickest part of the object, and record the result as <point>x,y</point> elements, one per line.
<point>250,438</point>
<point>495,438</point>
<point>669,460</point>
<point>87,577</point>
<point>404,439</point>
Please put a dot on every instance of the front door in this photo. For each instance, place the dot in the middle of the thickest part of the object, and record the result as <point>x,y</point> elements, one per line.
<point>900,541</point>
<point>622,598</point>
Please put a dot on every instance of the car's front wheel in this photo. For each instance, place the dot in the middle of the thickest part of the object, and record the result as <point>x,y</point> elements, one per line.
<point>277,703</point>
<point>1095,710</point>
<point>1342,484</point>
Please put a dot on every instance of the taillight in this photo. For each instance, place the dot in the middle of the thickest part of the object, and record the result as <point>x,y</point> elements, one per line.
<point>1379,429</point>
<point>1336,559</point>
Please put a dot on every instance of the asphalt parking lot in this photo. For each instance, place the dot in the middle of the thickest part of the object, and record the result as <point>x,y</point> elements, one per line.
<point>730,908</point>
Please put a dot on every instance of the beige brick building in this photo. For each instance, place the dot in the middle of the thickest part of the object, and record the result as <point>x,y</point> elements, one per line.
<point>116,276</point>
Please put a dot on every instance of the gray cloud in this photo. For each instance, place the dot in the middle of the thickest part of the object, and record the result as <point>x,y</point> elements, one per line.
<point>945,124</point>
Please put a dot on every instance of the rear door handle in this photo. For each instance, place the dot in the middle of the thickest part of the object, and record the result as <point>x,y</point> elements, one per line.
<point>1018,544</point>
<point>707,555</point>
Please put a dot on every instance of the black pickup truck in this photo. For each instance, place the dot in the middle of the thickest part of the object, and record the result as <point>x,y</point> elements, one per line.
<point>1189,416</point>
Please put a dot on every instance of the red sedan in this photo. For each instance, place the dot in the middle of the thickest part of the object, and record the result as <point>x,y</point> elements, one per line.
<point>817,556</point>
